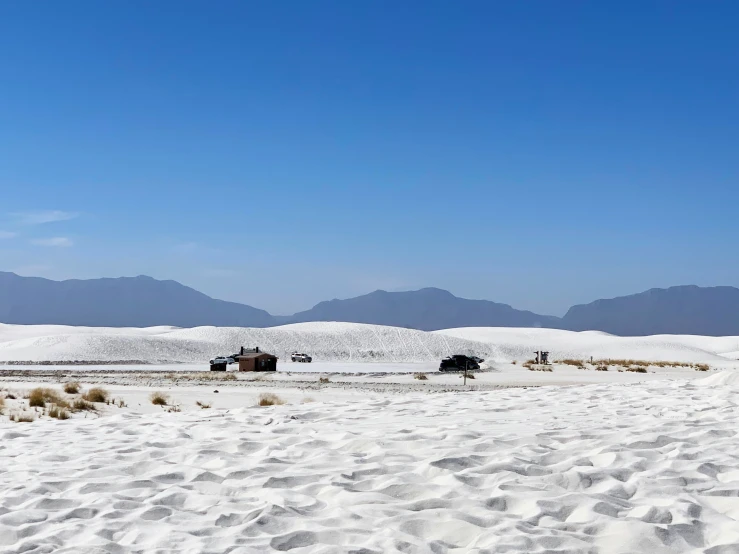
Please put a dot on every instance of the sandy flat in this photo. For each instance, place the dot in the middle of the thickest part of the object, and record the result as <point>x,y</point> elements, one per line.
<point>604,468</point>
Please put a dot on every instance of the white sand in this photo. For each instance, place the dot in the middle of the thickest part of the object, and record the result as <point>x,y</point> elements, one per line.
<point>608,468</point>
<point>346,342</point>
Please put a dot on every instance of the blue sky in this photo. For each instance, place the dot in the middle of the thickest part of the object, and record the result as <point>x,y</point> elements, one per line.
<point>281,153</point>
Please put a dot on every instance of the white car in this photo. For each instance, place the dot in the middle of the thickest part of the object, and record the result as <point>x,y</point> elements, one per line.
<point>298,357</point>
<point>222,360</point>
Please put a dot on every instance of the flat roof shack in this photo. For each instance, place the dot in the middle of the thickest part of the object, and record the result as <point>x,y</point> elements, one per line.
<point>257,361</point>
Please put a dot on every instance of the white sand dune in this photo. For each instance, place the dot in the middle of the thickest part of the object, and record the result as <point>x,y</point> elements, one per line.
<point>325,341</point>
<point>597,469</point>
<point>520,344</point>
<point>346,342</point>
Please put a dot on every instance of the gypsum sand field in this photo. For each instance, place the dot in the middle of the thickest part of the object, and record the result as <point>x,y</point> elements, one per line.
<point>606,468</point>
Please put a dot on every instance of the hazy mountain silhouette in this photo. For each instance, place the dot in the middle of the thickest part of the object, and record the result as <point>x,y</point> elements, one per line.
<point>123,302</point>
<point>683,310</point>
<point>143,302</point>
<point>427,309</point>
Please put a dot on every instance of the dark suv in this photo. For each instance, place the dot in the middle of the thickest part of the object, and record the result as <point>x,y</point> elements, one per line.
<point>458,363</point>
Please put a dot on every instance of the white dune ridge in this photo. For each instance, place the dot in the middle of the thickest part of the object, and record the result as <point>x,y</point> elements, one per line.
<point>598,469</point>
<point>346,342</point>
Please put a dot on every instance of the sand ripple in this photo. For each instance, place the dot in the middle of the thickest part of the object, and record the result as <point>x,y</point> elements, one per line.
<point>601,469</point>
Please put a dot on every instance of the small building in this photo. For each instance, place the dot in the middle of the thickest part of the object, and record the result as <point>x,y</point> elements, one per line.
<point>254,360</point>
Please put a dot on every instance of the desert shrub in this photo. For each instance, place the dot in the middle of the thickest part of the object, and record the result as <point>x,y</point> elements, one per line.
<point>601,367</point>
<point>159,398</point>
<point>81,405</point>
<point>73,387</point>
<point>324,380</point>
<point>701,367</point>
<point>58,413</point>
<point>209,376</point>
<point>10,396</point>
<point>96,394</point>
<point>39,397</point>
<point>637,369</point>
<point>270,399</point>
<point>203,405</point>
<point>420,377</point>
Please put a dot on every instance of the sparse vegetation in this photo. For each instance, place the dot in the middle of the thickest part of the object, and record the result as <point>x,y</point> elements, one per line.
<point>702,367</point>
<point>420,376</point>
<point>22,418</point>
<point>203,405</point>
<point>324,380</point>
<point>577,363</point>
<point>174,409</point>
<point>159,398</point>
<point>58,413</point>
<point>532,367</point>
<point>41,396</point>
<point>81,405</point>
<point>601,367</point>
<point>72,387</point>
<point>270,399</point>
<point>308,400</point>
<point>96,394</point>
<point>10,396</point>
<point>2,404</point>
<point>205,376</point>
<point>637,369</point>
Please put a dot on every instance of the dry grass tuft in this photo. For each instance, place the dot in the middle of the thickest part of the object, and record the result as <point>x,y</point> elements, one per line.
<point>39,397</point>
<point>2,403</point>
<point>22,418</point>
<point>270,399</point>
<point>308,400</point>
<point>159,398</point>
<point>96,394</point>
<point>205,376</point>
<point>174,409</point>
<point>579,364</point>
<point>532,367</point>
<point>702,367</point>
<point>637,369</point>
<point>203,405</point>
<point>601,367</point>
<point>58,413</point>
<point>73,387</point>
<point>420,376</point>
<point>324,380</point>
<point>81,405</point>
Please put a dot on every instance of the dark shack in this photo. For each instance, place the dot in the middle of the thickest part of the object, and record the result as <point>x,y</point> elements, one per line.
<point>254,360</point>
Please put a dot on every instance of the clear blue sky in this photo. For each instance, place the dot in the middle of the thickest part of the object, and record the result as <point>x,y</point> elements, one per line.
<point>282,153</point>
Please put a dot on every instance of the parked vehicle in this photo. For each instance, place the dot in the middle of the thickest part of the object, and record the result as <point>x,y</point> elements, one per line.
<point>299,357</point>
<point>459,362</point>
<point>222,360</point>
